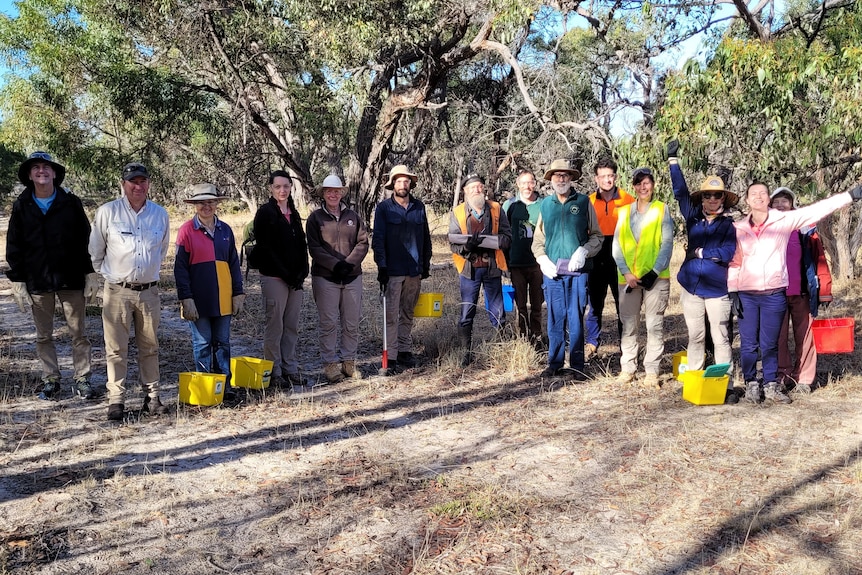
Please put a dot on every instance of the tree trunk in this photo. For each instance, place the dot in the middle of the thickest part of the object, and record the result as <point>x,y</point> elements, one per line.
<point>842,245</point>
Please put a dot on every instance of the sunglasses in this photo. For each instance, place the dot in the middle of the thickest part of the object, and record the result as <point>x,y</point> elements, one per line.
<point>712,195</point>
<point>41,156</point>
<point>134,168</point>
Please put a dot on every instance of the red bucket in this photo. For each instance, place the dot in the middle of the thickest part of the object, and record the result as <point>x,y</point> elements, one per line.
<point>833,335</point>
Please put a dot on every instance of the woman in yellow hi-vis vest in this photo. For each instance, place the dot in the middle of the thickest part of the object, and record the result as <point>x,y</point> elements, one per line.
<point>643,243</point>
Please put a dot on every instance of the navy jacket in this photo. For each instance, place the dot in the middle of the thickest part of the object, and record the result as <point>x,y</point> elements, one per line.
<point>402,240</point>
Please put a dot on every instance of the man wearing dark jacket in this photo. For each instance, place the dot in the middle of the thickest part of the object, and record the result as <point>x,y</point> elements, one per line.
<point>46,248</point>
<point>402,251</point>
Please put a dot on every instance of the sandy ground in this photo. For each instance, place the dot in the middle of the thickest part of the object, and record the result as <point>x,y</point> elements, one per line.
<point>438,470</point>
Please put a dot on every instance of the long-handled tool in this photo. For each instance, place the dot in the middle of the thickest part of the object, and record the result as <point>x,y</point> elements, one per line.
<point>384,369</point>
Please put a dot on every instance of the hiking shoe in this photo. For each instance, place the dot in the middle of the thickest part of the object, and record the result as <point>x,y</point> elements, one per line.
<point>752,392</point>
<point>803,388</point>
<point>50,387</point>
<point>651,381</point>
<point>467,359</point>
<point>332,372</point>
<point>153,406</point>
<point>348,368</point>
<point>406,360</point>
<point>774,394</point>
<point>390,370</point>
<point>116,412</point>
<point>625,377</point>
<point>550,372</point>
<point>589,351</point>
<point>84,389</point>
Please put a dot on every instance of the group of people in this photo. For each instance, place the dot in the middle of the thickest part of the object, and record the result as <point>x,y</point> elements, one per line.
<point>566,249</point>
<point>54,254</point>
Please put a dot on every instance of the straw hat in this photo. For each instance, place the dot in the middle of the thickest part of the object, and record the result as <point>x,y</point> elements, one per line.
<point>202,193</point>
<point>566,166</point>
<point>716,184</point>
<point>400,170</point>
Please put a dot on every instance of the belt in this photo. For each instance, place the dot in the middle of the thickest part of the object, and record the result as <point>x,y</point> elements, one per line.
<point>136,287</point>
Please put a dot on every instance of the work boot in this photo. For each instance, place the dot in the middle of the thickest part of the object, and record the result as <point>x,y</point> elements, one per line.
<point>292,380</point>
<point>625,377</point>
<point>153,406</point>
<point>771,391</point>
<point>392,368</point>
<point>84,389</point>
<point>116,411</point>
<point>651,381</point>
<point>406,360</point>
<point>348,368</point>
<point>50,387</point>
<point>465,339</point>
<point>803,388</point>
<point>332,372</point>
<point>752,392</point>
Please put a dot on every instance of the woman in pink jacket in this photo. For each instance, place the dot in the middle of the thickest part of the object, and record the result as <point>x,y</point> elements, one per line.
<point>757,281</point>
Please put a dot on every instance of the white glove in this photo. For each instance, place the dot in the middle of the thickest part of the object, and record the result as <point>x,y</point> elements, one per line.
<point>578,260</point>
<point>91,288</point>
<point>548,268</point>
<point>188,310</point>
<point>21,295</point>
<point>237,302</point>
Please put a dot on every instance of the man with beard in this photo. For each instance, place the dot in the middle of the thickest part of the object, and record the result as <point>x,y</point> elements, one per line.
<point>402,251</point>
<point>567,238</point>
<point>478,236</point>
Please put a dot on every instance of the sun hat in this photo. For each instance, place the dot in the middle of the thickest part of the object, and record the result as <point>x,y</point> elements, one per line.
<point>470,178</point>
<point>640,173</point>
<point>561,165</point>
<point>44,157</point>
<point>785,191</point>
<point>716,184</point>
<point>134,170</point>
<point>400,170</point>
<point>202,193</point>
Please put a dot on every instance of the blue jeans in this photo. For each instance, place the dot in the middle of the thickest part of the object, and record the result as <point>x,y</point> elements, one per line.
<point>470,297</point>
<point>759,328</point>
<point>566,298</point>
<point>211,345</point>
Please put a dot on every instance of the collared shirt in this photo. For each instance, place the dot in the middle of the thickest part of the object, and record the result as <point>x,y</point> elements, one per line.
<point>129,246</point>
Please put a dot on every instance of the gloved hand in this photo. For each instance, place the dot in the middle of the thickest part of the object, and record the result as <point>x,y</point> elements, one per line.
<point>383,278</point>
<point>426,273</point>
<point>673,149</point>
<point>578,260</point>
<point>549,270</point>
<point>472,244</point>
<point>735,304</point>
<point>648,280</point>
<point>237,303</point>
<point>856,192</point>
<point>342,269</point>
<point>21,295</point>
<point>91,288</point>
<point>188,310</point>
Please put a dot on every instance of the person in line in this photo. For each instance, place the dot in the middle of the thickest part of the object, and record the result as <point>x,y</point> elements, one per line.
<point>522,212</point>
<point>809,286</point>
<point>567,239</point>
<point>209,281</point>
<point>479,233</point>
<point>46,248</point>
<point>607,200</point>
<point>337,242</point>
<point>757,282</point>
<point>711,245</point>
<point>281,256</point>
<point>402,251</point>
<point>129,241</point>
<point>643,244</point>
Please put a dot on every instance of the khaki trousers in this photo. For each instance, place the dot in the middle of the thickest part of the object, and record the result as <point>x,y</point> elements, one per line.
<point>654,305</point>
<point>74,310</point>
<point>338,305</point>
<point>697,312</point>
<point>282,306</point>
<point>401,297</point>
<point>120,307</point>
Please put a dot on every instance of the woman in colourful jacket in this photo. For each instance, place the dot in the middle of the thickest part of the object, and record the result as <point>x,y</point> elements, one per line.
<point>643,243</point>
<point>757,282</point>
<point>711,244</point>
<point>337,243</point>
<point>809,286</point>
<point>209,281</point>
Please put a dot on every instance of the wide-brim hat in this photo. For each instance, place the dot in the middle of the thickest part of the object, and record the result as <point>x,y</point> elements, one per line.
<point>202,193</point>
<point>400,170</point>
<point>571,168</point>
<point>331,181</point>
<point>783,190</point>
<point>716,184</point>
<point>44,157</point>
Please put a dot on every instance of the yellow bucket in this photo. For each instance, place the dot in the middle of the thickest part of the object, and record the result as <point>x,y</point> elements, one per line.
<point>198,388</point>
<point>250,372</point>
<point>701,390</point>
<point>429,305</point>
<point>680,364</point>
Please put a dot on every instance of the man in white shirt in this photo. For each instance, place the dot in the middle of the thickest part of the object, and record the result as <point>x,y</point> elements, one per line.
<point>129,240</point>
